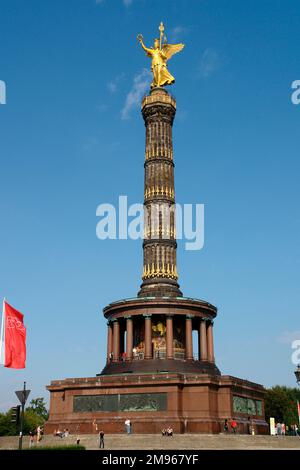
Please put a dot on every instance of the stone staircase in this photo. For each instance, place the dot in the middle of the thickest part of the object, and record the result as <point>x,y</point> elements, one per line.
<point>155,441</point>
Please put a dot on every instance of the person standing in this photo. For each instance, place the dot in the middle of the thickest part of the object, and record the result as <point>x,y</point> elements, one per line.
<point>38,434</point>
<point>250,427</point>
<point>226,426</point>
<point>31,439</point>
<point>95,426</point>
<point>233,425</point>
<point>127,426</point>
<point>101,440</point>
<point>278,428</point>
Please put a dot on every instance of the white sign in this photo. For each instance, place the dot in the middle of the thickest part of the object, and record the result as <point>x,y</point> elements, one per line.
<point>272,427</point>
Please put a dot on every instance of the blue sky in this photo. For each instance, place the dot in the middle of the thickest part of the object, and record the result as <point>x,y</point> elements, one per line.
<point>72,137</point>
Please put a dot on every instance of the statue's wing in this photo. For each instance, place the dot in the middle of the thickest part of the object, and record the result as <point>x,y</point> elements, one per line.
<point>171,49</point>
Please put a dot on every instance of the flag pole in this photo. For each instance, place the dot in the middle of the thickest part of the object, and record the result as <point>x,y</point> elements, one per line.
<point>2,360</point>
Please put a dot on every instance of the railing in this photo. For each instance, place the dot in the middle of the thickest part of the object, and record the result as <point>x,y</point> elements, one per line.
<point>161,355</point>
<point>140,356</point>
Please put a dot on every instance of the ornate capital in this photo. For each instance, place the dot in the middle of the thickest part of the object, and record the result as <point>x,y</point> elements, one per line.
<point>158,112</point>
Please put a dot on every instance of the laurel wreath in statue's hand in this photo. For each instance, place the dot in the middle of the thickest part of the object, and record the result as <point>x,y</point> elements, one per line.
<point>140,37</point>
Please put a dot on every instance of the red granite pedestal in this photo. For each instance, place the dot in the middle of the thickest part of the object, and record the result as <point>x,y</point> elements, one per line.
<point>189,403</point>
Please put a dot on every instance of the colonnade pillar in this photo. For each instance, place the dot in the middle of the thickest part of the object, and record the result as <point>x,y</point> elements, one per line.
<point>109,341</point>
<point>169,337</point>
<point>203,340</point>
<point>116,340</point>
<point>148,337</point>
<point>129,339</point>
<point>188,337</point>
<point>210,342</point>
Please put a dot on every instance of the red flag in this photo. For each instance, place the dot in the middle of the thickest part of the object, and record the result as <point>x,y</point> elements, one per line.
<point>14,338</point>
<point>298,406</point>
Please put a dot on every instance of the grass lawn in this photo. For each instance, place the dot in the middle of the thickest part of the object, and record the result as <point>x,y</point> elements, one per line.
<point>71,447</point>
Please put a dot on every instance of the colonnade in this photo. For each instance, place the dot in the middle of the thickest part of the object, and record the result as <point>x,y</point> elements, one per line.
<point>116,346</point>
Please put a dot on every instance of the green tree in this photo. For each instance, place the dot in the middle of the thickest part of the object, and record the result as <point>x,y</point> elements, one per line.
<point>7,427</point>
<point>281,404</point>
<point>38,406</point>
<point>35,415</point>
<point>31,421</point>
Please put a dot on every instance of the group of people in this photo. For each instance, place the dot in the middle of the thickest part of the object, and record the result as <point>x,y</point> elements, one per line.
<point>282,430</point>
<point>38,433</point>
<point>233,426</point>
<point>295,430</point>
<point>61,434</point>
<point>167,431</point>
<point>128,430</point>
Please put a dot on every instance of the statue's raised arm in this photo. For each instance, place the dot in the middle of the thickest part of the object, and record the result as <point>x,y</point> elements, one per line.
<point>146,49</point>
<point>160,54</point>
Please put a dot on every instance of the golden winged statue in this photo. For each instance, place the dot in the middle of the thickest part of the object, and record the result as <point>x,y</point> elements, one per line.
<point>160,54</point>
